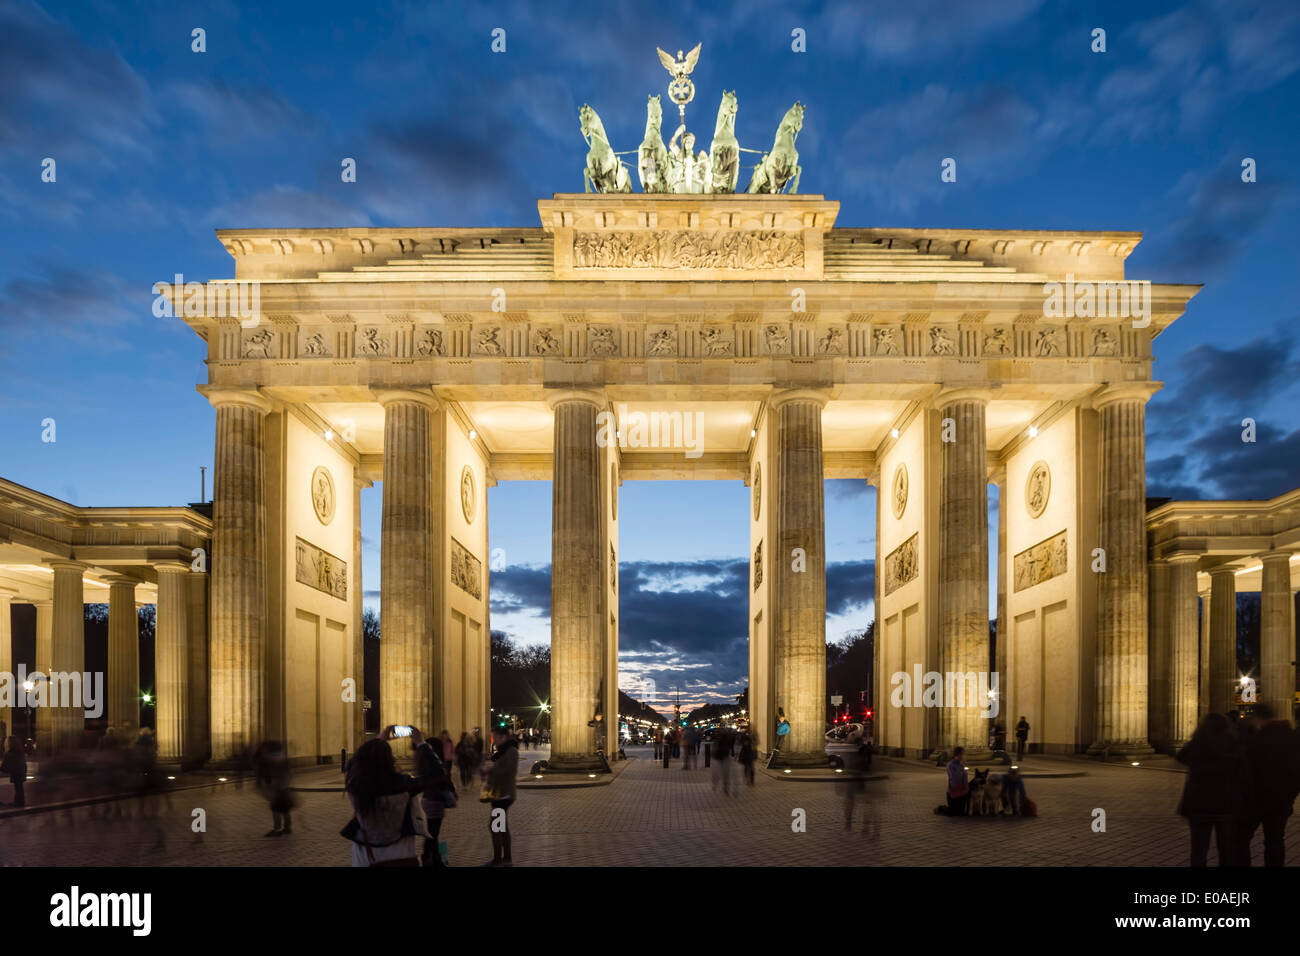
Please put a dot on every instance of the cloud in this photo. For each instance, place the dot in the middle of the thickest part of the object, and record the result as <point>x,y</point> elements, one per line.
<point>58,302</point>
<point>1264,468</point>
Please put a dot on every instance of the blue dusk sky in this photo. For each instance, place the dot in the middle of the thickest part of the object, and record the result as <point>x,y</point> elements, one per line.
<point>156,146</point>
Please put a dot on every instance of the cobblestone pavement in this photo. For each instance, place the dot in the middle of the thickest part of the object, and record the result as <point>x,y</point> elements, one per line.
<point>655,817</point>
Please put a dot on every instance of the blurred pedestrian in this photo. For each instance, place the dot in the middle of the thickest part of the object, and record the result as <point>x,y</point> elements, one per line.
<point>853,784</point>
<point>1215,791</point>
<point>722,760</point>
<point>14,766</point>
<point>386,816</point>
<point>499,791</point>
<point>271,777</point>
<point>1272,754</point>
<point>748,754</point>
<point>465,759</point>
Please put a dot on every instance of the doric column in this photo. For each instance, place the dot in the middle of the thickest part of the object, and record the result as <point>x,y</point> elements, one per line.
<point>198,742</point>
<point>1203,665</point>
<point>67,654</point>
<point>1276,662</point>
<point>1122,590</point>
<point>1184,650</point>
<point>171,660</point>
<point>7,596</point>
<point>799,571</point>
<point>577,631</point>
<point>406,561</point>
<point>1003,637</point>
<point>1223,639</point>
<point>123,657</point>
<point>963,567</point>
<point>44,651</point>
<point>1158,662</point>
<point>237,645</point>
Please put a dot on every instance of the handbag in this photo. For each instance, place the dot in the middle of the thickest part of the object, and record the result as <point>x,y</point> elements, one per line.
<point>488,794</point>
<point>448,797</point>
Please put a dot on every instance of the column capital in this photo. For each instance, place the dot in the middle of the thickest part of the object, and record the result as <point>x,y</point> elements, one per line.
<point>1277,554</point>
<point>1183,557</point>
<point>1223,570</point>
<point>66,565</point>
<point>8,595</point>
<point>816,396</point>
<point>1122,391</point>
<point>121,580</point>
<point>592,396</point>
<point>220,395</point>
<point>416,396</point>
<point>963,393</point>
<point>171,567</point>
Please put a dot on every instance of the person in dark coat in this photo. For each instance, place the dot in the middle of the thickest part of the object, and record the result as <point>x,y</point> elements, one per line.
<point>433,776</point>
<point>14,766</point>
<point>1272,754</point>
<point>500,779</point>
<point>1022,738</point>
<point>1216,790</point>
<point>271,770</point>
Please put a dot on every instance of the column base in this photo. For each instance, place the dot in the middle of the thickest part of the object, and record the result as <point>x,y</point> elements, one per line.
<point>1128,748</point>
<point>800,760</point>
<point>575,763</point>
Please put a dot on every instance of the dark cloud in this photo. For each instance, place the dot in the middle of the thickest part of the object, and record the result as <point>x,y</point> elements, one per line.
<point>61,302</point>
<point>1216,383</point>
<point>1222,215</point>
<point>1264,468</point>
<point>849,584</point>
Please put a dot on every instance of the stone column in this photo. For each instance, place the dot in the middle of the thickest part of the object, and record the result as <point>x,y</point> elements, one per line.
<point>1122,590</point>
<point>44,650</point>
<point>1276,664</point>
<point>406,659</point>
<point>1184,650</point>
<point>1203,674</point>
<point>171,659</point>
<point>963,568</point>
<point>1158,663</point>
<point>123,658</point>
<point>1223,639</point>
<point>67,654</point>
<point>1002,647</point>
<point>237,644</point>
<point>7,596</point>
<point>577,631</point>
<point>798,566</point>
<point>198,743</point>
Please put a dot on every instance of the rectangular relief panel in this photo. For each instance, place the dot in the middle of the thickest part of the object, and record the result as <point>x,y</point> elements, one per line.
<point>1042,562</point>
<point>321,570</point>
<point>466,570</point>
<point>901,565</point>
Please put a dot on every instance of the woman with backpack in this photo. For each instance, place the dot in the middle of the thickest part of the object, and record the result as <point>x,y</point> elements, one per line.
<point>387,816</point>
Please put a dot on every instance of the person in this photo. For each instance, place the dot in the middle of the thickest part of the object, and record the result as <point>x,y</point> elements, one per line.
<point>1215,791</point>
<point>386,816</point>
<point>500,791</point>
<point>690,740</point>
<point>1013,790</point>
<point>659,743</point>
<point>958,787</point>
<point>722,761</point>
<point>465,757</point>
<point>1022,738</point>
<point>854,784</point>
<point>447,748</point>
<point>14,766</point>
<point>748,754</point>
<point>1272,755</point>
<point>271,774</point>
<point>434,776</point>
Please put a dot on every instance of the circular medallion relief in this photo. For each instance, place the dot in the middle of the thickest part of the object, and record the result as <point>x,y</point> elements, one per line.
<point>613,491</point>
<point>758,490</point>
<point>1038,488</point>
<point>899,491</point>
<point>468,496</point>
<point>322,494</point>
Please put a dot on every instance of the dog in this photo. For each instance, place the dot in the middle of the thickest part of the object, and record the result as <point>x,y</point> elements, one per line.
<point>991,796</point>
<point>978,785</point>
